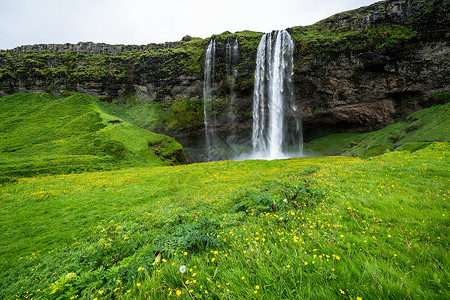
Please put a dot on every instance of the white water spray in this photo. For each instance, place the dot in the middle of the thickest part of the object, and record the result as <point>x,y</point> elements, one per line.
<point>273,99</point>
<point>210,62</point>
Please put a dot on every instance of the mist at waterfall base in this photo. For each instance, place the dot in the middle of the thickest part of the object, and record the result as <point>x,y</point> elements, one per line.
<point>276,130</point>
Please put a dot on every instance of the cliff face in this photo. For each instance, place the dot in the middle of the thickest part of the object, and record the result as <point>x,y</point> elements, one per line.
<point>383,62</point>
<point>355,71</point>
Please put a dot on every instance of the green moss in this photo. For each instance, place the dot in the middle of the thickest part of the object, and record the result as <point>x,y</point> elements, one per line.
<point>441,96</point>
<point>186,114</point>
<point>385,36</point>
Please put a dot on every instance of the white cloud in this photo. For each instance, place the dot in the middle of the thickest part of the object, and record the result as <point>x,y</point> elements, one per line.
<point>141,22</point>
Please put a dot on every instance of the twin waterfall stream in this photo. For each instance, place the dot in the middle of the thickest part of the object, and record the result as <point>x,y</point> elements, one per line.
<point>276,130</point>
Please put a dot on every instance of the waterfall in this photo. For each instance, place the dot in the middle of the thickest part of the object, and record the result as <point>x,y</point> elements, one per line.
<point>276,126</point>
<point>229,54</point>
<point>210,61</point>
<point>235,58</point>
<point>232,57</point>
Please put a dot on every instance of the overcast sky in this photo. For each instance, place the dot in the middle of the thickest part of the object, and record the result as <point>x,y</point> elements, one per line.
<point>25,22</point>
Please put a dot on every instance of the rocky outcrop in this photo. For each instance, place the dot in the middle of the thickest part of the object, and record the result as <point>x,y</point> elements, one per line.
<point>366,91</point>
<point>92,48</point>
<point>355,71</point>
<point>400,56</point>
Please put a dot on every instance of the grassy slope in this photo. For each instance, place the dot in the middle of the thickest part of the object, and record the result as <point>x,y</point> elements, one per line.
<point>375,229</point>
<point>422,127</point>
<point>43,134</point>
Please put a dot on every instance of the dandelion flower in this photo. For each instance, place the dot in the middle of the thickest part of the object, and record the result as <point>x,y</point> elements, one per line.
<point>138,284</point>
<point>178,292</point>
<point>342,292</point>
<point>183,269</point>
<point>257,287</point>
<point>358,298</point>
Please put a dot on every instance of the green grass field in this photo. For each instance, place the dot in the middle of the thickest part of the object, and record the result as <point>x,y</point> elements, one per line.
<point>81,221</point>
<point>42,134</point>
<point>331,227</point>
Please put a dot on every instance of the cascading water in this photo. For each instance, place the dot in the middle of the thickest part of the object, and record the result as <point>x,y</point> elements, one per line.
<point>235,57</point>
<point>276,126</point>
<point>210,62</point>
<point>220,143</point>
<point>232,53</point>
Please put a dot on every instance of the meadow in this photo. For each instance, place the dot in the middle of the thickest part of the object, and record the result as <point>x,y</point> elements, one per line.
<point>323,227</point>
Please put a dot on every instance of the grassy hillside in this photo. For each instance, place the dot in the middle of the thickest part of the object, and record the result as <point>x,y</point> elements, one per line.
<point>42,134</point>
<point>326,228</point>
<point>417,131</point>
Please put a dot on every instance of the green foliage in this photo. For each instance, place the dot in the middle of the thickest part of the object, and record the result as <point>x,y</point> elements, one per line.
<point>46,135</point>
<point>375,150</point>
<point>63,287</point>
<point>388,36</point>
<point>278,197</point>
<point>194,237</point>
<point>186,114</point>
<point>424,126</point>
<point>442,96</point>
<point>7,180</point>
